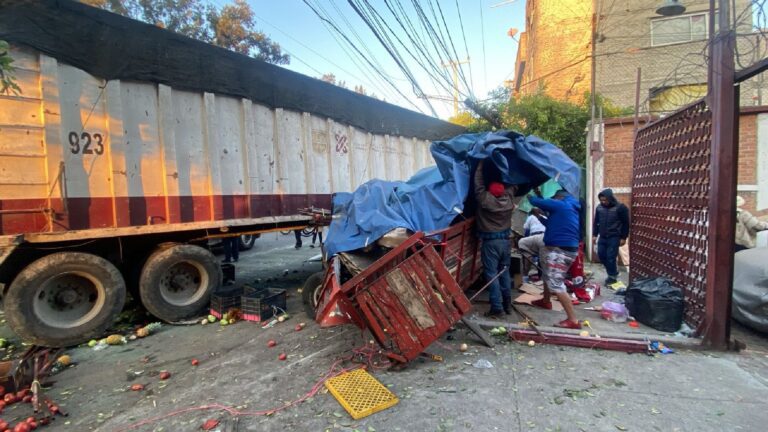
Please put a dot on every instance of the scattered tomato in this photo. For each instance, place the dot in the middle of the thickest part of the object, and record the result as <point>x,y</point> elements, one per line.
<point>21,427</point>
<point>54,409</point>
<point>27,399</point>
<point>210,424</point>
<point>3,425</point>
<point>30,419</point>
<point>282,356</point>
<point>272,343</point>
<point>137,387</point>
<point>195,362</point>
<point>9,399</point>
<point>22,393</point>
<point>164,375</point>
<point>298,327</point>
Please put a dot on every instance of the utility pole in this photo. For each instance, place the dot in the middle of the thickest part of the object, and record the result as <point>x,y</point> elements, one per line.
<point>454,65</point>
<point>723,102</point>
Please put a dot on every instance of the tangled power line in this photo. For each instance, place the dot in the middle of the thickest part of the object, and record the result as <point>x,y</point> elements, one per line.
<point>415,35</point>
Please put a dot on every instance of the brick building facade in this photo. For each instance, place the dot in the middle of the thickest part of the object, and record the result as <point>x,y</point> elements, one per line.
<point>554,50</point>
<point>669,50</point>
<point>556,54</point>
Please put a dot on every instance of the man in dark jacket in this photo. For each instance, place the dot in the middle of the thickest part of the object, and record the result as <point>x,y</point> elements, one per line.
<point>612,225</point>
<point>561,245</point>
<point>495,205</point>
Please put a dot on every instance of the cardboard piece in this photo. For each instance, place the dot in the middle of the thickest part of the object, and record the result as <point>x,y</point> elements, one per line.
<point>531,289</point>
<point>528,299</point>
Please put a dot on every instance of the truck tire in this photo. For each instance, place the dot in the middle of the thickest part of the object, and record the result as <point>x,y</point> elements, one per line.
<point>246,241</point>
<point>177,281</point>
<point>64,299</point>
<point>310,293</point>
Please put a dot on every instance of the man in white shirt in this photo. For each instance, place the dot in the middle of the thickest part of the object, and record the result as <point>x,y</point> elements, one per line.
<point>534,238</point>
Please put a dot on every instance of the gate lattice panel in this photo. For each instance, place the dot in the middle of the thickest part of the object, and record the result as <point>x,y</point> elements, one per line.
<point>670,204</point>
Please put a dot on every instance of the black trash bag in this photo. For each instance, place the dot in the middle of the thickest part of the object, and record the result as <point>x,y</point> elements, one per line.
<point>656,303</point>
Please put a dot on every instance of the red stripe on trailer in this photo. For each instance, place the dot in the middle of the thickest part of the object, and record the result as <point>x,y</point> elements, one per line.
<point>19,216</point>
<point>23,215</point>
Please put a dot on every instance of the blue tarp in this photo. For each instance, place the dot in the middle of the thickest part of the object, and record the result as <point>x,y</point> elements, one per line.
<point>434,196</point>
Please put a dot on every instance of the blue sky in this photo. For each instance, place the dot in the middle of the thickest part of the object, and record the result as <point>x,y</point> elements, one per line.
<point>315,51</point>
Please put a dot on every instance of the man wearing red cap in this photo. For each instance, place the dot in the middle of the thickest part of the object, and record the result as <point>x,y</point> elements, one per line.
<point>494,221</point>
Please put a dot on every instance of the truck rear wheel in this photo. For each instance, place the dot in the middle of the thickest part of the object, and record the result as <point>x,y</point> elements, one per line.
<point>177,281</point>
<point>64,299</point>
<point>246,241</point>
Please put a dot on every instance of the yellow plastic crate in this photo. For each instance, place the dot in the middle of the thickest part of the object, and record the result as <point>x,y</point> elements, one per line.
<point>360,393</point>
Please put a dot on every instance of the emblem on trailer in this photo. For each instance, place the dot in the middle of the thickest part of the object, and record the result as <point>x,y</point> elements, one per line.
<point>341,143</point>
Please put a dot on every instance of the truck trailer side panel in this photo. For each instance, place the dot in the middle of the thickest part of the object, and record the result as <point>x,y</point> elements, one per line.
<point>83,153</point>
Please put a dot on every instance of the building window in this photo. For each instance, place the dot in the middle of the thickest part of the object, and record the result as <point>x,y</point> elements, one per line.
<point>680,29</point>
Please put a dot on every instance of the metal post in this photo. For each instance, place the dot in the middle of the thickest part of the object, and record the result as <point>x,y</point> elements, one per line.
<point>637,104</point>
<point>722,186</point>
<point>455,75</point>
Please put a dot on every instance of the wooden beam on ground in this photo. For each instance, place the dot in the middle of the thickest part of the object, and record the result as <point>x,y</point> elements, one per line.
<point>579,341</point>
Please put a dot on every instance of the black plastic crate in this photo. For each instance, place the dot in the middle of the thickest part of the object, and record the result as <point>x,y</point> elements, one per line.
<point>260,304</point>
<point>250,290</point>
<point>224,300</point>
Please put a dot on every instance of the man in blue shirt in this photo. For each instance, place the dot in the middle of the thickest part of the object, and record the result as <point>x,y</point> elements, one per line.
<point>561,245</point>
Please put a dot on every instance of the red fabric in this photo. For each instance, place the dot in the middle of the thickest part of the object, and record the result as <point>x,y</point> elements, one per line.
<point>496,189</point>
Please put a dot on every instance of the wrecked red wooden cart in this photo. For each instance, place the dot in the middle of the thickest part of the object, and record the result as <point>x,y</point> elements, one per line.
<point>408,297</point>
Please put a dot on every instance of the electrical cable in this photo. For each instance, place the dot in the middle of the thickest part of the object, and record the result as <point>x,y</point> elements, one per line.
<point>466,47</point>
<point>482,36</point>
<point>423,59</point>
<point>393,53</point>
<point>351,44</point>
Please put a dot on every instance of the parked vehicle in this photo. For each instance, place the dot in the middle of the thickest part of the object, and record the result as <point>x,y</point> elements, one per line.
<point>130,147</point>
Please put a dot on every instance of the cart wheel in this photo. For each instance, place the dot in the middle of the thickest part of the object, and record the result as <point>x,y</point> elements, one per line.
<point>310,293</point>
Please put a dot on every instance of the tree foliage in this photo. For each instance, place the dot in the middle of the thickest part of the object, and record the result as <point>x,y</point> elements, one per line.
<point>7,79</point>
<point>464,118</point>
<point>233,26</point>
<point>560,122</point>
<point>330,78</point>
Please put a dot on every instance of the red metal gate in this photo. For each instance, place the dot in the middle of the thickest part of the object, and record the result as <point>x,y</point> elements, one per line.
<point>670,204</point>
